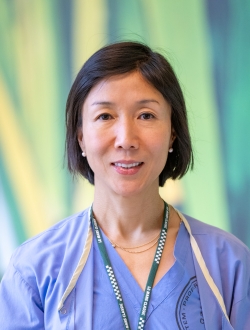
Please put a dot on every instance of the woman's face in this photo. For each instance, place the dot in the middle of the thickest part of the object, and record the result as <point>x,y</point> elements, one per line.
<point>126,134</point>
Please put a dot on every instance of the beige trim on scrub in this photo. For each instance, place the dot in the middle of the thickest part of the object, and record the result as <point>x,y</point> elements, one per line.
<point>202,264</point>
<point>80,265</point>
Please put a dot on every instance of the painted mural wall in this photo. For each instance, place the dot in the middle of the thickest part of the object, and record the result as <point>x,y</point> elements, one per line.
<point>43,45</point>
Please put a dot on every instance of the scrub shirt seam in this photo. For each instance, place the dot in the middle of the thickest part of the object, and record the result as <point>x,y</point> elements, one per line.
<point>181,277</point>
<point>157,305</point>
<point>115,269</point>
<point>182,264</point>
<point>70,310</point>
<point>135,302</point>
<point>56,227</point>
<point>118,273</point>
<point>237,302</point>
<point>28,285</point>
<point>222,236</point>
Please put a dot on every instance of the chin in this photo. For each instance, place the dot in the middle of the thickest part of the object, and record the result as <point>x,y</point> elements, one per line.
<point>128,190</point>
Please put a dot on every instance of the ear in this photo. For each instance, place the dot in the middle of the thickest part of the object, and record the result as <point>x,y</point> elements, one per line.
<point>80,138</point>
<point>172,138</point>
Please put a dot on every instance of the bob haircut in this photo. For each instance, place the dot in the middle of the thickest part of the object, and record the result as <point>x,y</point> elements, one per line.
<point>120,58</point>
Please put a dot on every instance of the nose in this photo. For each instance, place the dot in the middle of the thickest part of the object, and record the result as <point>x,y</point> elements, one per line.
<point>126,134</point>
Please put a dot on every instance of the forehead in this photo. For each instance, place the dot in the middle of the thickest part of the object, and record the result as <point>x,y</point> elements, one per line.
<point>131,85</point>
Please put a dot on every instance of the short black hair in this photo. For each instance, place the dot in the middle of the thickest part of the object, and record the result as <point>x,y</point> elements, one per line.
<point>120,58</point>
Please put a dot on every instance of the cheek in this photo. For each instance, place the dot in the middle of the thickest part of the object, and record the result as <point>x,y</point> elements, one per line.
<point>91,138</point>
<point>160,142</point>
<point>160,149</point>
<point>96,146</point>
<point>162,156</point>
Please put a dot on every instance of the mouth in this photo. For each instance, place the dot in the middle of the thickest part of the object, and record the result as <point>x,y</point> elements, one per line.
<point>124,167</point>
<point>130,165</point>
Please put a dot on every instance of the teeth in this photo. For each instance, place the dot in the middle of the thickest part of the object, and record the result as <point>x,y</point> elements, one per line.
<point>127,165</point>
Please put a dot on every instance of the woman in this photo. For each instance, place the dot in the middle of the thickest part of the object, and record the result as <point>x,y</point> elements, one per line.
<point>130,261</point>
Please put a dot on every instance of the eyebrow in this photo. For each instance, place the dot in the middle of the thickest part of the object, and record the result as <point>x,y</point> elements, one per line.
<point>102,103</point>
<point>111,103</point>
<point>147,101</point>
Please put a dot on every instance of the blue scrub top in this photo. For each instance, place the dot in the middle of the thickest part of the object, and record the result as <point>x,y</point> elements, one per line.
<point>51,278</point>
<point>175,300</point>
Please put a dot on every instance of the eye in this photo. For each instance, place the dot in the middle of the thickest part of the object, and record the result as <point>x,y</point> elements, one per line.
<point>105,116</point>
<point>147,116</point>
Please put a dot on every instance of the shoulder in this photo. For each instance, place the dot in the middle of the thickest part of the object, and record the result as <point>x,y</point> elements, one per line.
<point>53,253</point>
<point>218,246</point>
<point>41,268</point>
<point>227,259</point>
<point>59,235</point>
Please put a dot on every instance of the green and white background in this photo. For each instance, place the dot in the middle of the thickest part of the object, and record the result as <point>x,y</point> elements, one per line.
<point>43,43</point>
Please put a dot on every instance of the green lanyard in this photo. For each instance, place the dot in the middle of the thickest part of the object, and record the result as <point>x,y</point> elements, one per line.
<point>151,277</point>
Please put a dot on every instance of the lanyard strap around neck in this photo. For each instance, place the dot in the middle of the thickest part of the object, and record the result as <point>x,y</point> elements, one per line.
<point>151,276</point>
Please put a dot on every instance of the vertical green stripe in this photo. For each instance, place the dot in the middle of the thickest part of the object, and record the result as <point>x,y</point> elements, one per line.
<point>229,23</point>
<point>126,21</point>
<point>20,232</point>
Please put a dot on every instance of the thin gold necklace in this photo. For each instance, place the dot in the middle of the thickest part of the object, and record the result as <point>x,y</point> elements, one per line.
<point>128,249</point>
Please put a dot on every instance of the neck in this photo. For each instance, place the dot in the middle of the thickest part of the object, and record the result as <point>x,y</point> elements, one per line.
<point>128,218</point>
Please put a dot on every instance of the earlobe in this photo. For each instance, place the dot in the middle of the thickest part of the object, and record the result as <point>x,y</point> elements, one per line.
<point>172,138</point>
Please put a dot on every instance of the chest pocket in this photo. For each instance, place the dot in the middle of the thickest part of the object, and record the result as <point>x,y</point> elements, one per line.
<point>67,312</point>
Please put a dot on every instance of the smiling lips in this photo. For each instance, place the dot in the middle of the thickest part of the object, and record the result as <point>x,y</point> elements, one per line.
<point>127,165</point>
<point>127,168</point>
